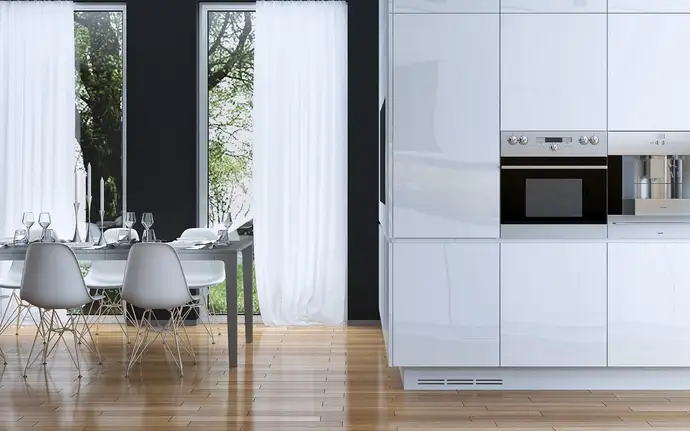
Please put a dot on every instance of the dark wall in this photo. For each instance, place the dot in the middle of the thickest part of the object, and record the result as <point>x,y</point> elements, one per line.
<point>161,104</point>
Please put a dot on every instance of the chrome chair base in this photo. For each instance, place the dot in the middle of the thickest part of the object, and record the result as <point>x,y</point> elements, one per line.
<point>51,329</point>
<point>174,328</point>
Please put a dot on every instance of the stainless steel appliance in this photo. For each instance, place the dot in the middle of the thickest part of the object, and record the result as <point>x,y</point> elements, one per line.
<point>646,174</point>
<point>553,185</point>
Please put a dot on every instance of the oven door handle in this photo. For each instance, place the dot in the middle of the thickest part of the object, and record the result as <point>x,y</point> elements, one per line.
<point>562,167</point>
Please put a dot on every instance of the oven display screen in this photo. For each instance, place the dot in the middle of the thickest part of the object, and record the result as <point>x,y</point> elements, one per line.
<point>553,197</point>
<point>553,140</point>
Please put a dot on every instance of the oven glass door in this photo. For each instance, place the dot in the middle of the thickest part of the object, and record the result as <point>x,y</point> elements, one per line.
<point>541,193</point>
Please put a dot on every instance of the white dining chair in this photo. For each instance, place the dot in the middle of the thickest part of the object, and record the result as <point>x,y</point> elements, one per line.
<point>203,275</point>
<point>12,280</point>
<point>154,281</point>
<point>52,281</point>
<point>106,278</point>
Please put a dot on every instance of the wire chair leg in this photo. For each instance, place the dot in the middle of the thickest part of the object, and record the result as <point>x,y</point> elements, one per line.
<point>75,335</point>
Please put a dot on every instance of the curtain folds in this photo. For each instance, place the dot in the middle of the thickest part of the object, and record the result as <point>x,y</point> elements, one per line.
<point>300,161</point>
<point>37,113</point>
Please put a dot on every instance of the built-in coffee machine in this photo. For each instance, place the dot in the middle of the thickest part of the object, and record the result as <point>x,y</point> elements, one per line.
<point>646,174</point>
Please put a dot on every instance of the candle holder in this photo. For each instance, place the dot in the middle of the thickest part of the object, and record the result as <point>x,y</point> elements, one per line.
<point>76,237</point>
<point>89,237</point>
<point>101,240</point>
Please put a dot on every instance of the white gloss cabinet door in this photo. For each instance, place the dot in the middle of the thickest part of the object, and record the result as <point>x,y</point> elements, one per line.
<point>649,70</point>
<point>553,72</point>
<point>384,303</point>
<point>553,305</point>
<point>445,126</point>
<point>445,6</point>
<point>553,6</point>
<point>651,6</point>
<point>649,321</point>
<point>445,303</point>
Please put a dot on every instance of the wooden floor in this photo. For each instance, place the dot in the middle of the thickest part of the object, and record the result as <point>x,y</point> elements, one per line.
<point>291,379</point>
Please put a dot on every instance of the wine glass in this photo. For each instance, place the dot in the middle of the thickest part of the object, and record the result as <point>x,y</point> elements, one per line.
<point>28,221</point>
<point>130,219</point>
<point>44,222</point>
<point>227,220</point>
<point>147,222</point>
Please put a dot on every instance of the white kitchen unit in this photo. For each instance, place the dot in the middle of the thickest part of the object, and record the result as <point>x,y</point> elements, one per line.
<point>553,304</point>
<point>446,126</point>
<point>445,304</point>
<point>553,71</point>
<point>385,309</point>
<point>649,66</point>
<point>553,6</point>
<point>649,296</point>
<point>445,6</point>
<point>648,6</point>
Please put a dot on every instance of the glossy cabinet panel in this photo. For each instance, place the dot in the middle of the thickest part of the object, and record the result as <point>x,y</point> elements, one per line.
<point>384,290</point>
<point>446,304</point>
<point>445,126</point>
<point>649,322</point>
<point>649,72</point>
<point>445,6</point>
<point>553,305</point>
<point>553,72</point>
<point>553,6</point>
<point>652,6</point>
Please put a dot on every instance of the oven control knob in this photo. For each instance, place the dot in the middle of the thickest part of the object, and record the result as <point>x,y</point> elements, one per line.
<point>554,147</point>
<point>584,140</point>
<point>594,140</point>
<point>513,140</point>
<point>523,140</point>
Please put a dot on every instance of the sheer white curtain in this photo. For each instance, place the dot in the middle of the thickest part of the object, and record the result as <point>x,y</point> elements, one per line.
<point>37,113</point>
<point>300,161</point>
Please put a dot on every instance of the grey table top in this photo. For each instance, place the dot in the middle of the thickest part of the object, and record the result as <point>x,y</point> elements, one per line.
<point>215,253</point>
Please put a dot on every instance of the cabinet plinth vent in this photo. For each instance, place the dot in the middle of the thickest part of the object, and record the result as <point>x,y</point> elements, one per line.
<point>458,382</point>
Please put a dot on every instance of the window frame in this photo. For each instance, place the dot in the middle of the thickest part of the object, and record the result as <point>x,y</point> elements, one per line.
<point>116,7</point>
<point>202,100</point>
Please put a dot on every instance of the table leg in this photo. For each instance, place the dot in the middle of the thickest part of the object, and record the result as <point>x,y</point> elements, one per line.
<point>248,281</point>
<point>231,299</point>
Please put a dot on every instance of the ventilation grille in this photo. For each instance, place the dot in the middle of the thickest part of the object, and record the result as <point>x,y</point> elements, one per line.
<point>459,382</point>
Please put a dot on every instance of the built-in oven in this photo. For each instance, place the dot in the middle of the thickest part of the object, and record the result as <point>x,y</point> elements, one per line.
<point>553,185</point>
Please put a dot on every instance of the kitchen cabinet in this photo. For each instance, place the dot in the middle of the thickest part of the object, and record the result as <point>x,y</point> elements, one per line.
<point>553,6</point>
<point>445,6</point>
<point>649,320</point>
<point>649,72</point>
<point>384,290</point>
<point>445,304</point>
<point>553,304</point>
<point>553,72</point>
<point>446,126</point>
<point>651,6</point>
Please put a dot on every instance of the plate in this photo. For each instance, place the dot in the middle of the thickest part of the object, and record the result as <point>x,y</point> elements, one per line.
<point>79,244</point>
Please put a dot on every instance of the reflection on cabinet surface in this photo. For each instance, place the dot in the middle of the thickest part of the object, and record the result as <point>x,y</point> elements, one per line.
<point>544,86</point>
<point>446,304</point>
<point>553,304</point>
<point>445,126</point>
<point>649,72</point>
<point>651,6</point>
<point>445,6</point>
<point>649,303</point>
<point>553,6</point>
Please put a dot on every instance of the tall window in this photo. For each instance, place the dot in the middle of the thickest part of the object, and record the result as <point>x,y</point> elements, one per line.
<point>225,145</point>
<point>100,46</point>
<point>100,103</point>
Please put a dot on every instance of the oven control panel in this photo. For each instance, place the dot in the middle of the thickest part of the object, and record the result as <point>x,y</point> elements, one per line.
<point>553,144</point>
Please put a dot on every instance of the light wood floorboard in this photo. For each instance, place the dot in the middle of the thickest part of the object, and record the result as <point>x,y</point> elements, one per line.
<point>302,379</point>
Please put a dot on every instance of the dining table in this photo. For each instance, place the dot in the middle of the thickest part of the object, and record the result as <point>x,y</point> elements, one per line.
<point>227,253</point>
